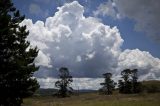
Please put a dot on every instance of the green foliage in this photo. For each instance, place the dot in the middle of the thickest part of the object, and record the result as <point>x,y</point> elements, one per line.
<point>136,86</point>
<point>16,62</point>
<point>129,84</point>
<point>64,83</point>
<point>108,85</point>
<point>125,85</point>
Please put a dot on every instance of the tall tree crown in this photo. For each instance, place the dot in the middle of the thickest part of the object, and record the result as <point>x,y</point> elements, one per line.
<point>108,85</point>
<point>64,83</point>
<point>16,57</point>
<point>129,84</point>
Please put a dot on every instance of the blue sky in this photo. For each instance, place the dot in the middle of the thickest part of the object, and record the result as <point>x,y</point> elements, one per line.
<point>132,39</point>
<point>81,36</point>
<point>92,37</point>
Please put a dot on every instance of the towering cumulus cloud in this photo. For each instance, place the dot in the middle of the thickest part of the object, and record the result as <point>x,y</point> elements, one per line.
<point>85,45</point>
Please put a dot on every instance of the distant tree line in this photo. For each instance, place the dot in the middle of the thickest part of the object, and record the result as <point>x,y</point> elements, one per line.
<point>127,85</point>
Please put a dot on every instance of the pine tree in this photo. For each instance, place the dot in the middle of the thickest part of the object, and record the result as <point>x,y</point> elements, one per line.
<point>121,86</point>
<point>125,85</point>
<point>64,83</point>
<point>136,86</point>
<point>16,58</point>
<point>108,85</point>
<point>129,84</point>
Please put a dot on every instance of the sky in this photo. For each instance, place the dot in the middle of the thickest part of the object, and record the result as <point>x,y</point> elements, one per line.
<point>92,37</point>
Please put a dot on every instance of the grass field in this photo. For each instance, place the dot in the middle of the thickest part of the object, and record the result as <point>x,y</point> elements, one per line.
<point>94,99</point>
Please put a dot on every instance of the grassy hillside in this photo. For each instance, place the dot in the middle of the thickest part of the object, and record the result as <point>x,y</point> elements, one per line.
<point>151,86</point>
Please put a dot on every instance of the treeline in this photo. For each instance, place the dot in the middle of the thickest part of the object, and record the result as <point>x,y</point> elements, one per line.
<point>127,85</point>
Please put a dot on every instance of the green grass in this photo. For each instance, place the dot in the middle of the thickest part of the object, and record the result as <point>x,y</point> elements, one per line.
<point>94,99</point>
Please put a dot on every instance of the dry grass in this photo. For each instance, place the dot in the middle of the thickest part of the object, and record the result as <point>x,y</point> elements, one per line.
<point>94,99</point>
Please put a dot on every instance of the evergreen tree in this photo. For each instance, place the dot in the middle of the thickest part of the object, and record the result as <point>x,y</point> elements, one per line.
<point>64,83</point>
<point>108,85</point>
<point>136,86</point>
<point>125,85</point>
<point>129,84</point>
<point>16,58</point>
<point>121,86</point>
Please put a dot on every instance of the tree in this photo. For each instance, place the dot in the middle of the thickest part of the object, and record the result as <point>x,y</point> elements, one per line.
<point>108,84</point>
<point>121,86</point>
<point>16,58</point>
<point>129,84</point>
<point>136,86</point>
<point>64,83</point>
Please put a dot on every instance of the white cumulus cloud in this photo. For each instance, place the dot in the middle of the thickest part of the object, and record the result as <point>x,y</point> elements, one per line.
<point>43,60</point>
<point>148,66</point>
<point>86,46</point>
<point>83,44</point>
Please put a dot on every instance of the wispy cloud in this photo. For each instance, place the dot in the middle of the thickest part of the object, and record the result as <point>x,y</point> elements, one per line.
<point>144,12</point>
<point>107,9</point>
<point>35,9</point>
<point>43,1</point>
